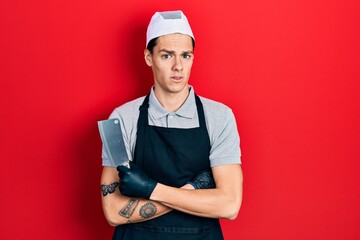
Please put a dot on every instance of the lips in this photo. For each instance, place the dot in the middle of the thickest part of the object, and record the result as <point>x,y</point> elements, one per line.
<point>177,78</point>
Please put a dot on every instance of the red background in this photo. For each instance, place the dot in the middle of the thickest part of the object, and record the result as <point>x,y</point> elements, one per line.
<point>288,69</point>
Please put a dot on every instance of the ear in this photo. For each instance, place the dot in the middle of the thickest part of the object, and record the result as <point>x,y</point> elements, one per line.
<point>148,57</point>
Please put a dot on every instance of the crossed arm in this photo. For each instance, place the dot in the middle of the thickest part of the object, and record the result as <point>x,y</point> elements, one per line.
<point>221,202</point>
<point>119,209</point>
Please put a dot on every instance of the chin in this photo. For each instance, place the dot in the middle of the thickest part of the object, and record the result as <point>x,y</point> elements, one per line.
<point>178,89</point>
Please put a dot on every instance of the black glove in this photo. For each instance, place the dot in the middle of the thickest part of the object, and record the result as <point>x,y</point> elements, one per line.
<point>203,180</point>
<point>134,182</point>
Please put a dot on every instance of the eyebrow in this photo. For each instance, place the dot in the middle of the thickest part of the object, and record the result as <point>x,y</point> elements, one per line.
<point>173,52</point>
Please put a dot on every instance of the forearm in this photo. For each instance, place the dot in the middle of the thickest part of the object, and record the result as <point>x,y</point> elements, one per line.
<point>119,209</point>
<point>213,203</point>
<point>223,201</point>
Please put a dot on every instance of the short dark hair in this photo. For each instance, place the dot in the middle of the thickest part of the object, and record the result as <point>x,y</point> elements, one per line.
<point>152,44</point>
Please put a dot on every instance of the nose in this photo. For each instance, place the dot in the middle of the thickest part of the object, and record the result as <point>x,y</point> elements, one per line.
<point>177,66</point>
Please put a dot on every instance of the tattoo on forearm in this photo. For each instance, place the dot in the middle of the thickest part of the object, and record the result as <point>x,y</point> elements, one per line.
<point>148,210</point>
<point>128,210</point>
<point>108,189</point>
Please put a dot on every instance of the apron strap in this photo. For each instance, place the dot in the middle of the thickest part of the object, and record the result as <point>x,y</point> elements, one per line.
<point>141,124</point>
<point>201,116</point>
<point>200,111</point>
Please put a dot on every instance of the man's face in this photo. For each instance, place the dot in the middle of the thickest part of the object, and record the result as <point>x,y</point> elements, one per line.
<point>171,63</point>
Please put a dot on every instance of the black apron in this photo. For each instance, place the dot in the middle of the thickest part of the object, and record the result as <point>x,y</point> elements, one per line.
<point>172,156</point>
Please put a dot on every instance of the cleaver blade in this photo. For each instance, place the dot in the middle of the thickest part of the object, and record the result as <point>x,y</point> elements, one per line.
<point>111,136</point>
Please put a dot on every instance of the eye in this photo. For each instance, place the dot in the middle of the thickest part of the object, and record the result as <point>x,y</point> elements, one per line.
<point>186,56</point>
<point>165,56</point>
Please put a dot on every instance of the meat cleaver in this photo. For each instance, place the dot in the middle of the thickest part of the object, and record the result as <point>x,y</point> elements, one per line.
<point>113,142</point>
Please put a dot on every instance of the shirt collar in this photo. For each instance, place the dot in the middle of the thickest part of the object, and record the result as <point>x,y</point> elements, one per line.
<point>187,110</point>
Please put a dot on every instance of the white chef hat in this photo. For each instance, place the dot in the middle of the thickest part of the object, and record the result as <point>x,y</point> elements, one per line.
<point>163,23</point>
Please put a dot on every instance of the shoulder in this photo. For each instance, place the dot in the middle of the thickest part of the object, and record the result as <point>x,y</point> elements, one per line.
<point>219,118</point>
<point>215,109</point>
<point>128,110</point>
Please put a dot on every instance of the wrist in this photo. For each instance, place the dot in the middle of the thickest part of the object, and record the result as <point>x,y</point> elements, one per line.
<point>150,188</point>
<point>159,192</point>
<point>188,186</point>
<point>150,197</point>
<point>192,185</point>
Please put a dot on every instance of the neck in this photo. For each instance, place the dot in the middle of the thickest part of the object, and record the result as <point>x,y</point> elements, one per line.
<point>172,101</point>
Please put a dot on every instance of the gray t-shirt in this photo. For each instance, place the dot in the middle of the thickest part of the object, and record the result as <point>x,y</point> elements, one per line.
<point>220,123</point>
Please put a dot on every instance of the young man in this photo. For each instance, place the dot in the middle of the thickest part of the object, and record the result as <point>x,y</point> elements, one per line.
<point>174,141</point>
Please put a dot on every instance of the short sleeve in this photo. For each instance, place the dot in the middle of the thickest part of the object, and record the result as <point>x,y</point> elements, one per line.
<point>225,147</point>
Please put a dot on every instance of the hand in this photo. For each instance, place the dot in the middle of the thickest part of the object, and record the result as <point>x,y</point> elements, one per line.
<point>134,182</point>
<point>203,180</point>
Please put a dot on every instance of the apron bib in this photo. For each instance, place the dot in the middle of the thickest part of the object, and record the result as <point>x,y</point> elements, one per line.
<point>172,156</point>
